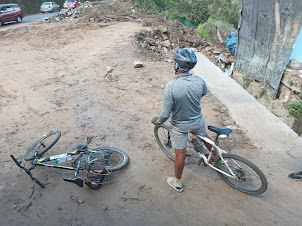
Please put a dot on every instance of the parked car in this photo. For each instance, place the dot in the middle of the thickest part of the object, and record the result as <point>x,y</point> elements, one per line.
<point>9,13</point>
<point>71,4</point>
<point>49,7</point>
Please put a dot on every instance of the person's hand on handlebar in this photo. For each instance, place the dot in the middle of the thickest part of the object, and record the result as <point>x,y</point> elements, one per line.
<point>154,121</point>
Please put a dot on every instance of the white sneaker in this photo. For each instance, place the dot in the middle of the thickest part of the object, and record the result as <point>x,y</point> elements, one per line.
<point>177,187</point>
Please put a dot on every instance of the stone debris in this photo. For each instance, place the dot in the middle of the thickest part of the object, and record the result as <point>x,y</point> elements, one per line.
<point>295,65</point>
<point>227,123</point>
<point>138,64</point>
<point>109,76</point>
<point>109,69</point>
<point>80,201</point>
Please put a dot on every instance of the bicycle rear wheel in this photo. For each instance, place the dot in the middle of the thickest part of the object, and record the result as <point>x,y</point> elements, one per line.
<point>46,142</point>
<point>112,159</point>
<point>162,136</point>
<point>250,179</point>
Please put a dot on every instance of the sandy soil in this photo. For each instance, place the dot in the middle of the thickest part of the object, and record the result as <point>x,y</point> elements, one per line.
<point>52,78</point>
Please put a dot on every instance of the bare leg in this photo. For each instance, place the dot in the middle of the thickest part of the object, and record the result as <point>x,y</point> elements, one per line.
<point>209,146</point>
<point>179,162</point>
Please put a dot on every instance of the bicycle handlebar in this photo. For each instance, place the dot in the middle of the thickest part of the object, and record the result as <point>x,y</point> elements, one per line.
<point>28,172</point>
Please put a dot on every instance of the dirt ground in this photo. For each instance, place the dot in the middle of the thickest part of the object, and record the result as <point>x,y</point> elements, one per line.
<point>52,78</point>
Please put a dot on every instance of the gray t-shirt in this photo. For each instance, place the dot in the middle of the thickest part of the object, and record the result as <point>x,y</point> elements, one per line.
<point>182,99</point>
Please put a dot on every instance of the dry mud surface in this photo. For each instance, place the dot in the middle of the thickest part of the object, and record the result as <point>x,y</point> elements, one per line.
<point>52,78</point>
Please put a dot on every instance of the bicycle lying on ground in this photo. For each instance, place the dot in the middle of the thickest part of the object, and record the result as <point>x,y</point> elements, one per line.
<point>111,158</point>
<point>236,171</point>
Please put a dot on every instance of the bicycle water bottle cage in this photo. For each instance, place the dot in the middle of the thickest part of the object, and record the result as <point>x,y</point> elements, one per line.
<point>78,181</point>
<point>222,133</point>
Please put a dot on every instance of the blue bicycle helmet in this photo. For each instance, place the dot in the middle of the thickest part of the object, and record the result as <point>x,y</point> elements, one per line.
<point>185,58</point>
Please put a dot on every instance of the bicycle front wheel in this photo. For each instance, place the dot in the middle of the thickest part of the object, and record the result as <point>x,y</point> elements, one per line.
<point>112,159</point>
<point>249,179</point>
<point>162,136</point>
<point>43,145</point>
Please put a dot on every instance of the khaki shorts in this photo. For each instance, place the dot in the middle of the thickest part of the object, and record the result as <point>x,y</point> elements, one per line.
<point>179,137</point>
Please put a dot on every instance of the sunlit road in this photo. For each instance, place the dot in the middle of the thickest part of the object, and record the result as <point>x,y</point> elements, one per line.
<point>27,20</point>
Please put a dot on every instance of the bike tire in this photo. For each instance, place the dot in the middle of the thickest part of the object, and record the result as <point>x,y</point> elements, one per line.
<point>54,135</point>
<point>101,156</point>
<point>161,133</point>
<point>245,177</point>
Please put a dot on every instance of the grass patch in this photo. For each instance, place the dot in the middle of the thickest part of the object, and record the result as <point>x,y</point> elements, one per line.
<point>262,92</point>
<point>295,107</point>
<point>247,81</point>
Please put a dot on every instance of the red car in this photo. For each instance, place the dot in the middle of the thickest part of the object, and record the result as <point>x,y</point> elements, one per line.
<point>10,12</point>
<point>71,4</point>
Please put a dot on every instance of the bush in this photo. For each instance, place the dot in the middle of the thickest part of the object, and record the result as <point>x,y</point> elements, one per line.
<point>204,29</point>
<point>199,11</point>
<point>209,28</point>
<point>177,16</point>
<point>295,107</point>
<point>148,5</point>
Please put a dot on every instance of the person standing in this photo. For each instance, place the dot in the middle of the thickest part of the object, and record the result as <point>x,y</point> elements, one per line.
<point>182,101</point>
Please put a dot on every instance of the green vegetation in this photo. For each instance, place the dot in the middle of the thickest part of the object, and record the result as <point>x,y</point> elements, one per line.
<point>204,29</point>
<point>209,29</point>
<point>177,16</point>
<point>247,81</point>
<point>291,82</point>
<point>196,11</point>
<point>295,107</point>
<point>262,92</point>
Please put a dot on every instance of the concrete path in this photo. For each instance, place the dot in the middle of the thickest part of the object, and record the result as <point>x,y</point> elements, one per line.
<point>281,147</point>
<point>263,128</point>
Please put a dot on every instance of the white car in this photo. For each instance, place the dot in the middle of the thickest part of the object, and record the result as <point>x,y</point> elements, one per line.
<point>49,7</point>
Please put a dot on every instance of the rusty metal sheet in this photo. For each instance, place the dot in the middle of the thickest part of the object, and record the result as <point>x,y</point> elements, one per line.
<point>267,32</point>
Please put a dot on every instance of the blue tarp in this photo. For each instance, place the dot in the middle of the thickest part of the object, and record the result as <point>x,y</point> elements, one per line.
<point>188,23</point>
<point>231,42</point>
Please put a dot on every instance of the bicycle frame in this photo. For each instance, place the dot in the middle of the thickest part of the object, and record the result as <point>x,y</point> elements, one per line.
<point>220,151</point>
<point>41,161</point>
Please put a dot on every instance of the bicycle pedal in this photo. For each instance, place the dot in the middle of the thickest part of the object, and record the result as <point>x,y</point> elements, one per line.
<point>78,181</point>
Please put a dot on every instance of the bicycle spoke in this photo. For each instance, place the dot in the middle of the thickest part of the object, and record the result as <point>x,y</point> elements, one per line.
<point>163,139</point>
<point>248,177</point>
<point>111,158</point>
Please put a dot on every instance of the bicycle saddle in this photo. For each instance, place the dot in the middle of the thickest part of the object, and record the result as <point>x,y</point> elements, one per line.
<point>77,180</point>
<point>221,132</point>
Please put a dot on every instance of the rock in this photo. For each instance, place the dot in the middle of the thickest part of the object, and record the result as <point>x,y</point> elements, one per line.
<point>216,51</point>
<point>166,43</point>
<point>162,86</point>
<point>153,48</point>
<point>151,41</point>
<point>294,64</point>
<point>109,69</point>
<point>138,64</point>
<point>80,201</point>
<point>165,30</point>
<point>110,77</point>
<point>165,37</point>
<point>227,123</point>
